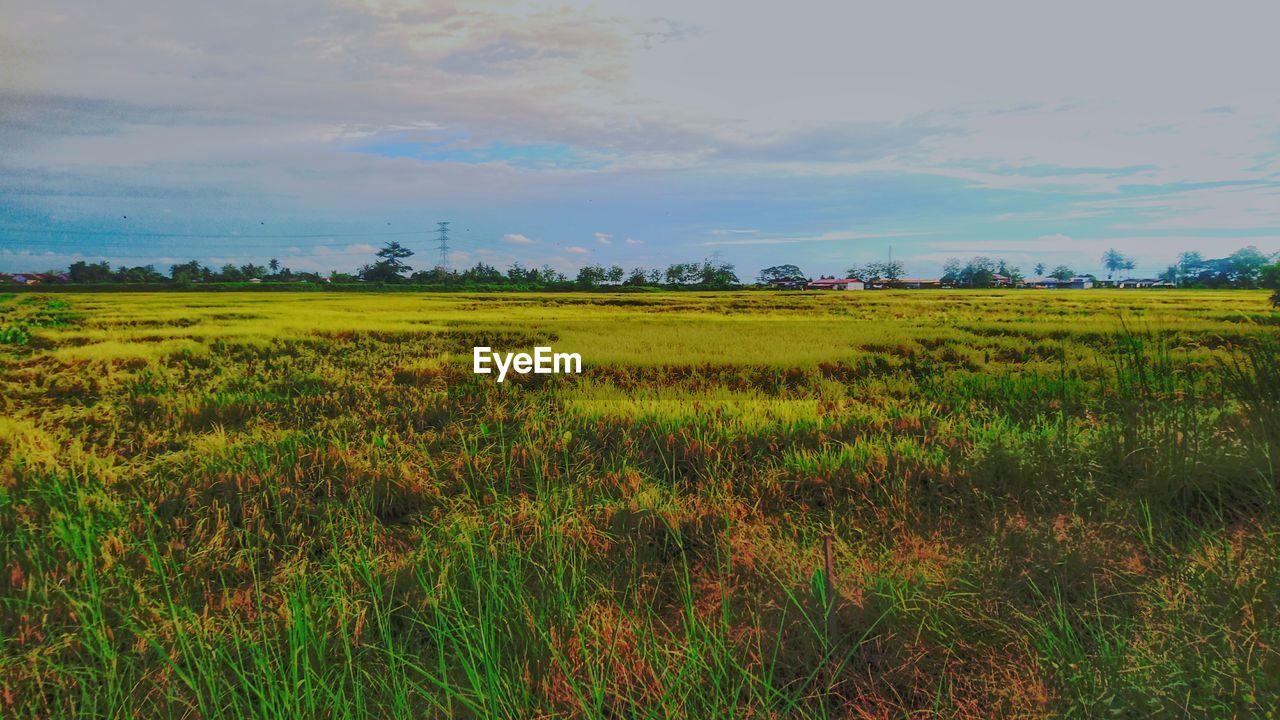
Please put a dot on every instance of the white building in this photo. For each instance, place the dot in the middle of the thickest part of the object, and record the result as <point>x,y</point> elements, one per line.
<point>834,284</point>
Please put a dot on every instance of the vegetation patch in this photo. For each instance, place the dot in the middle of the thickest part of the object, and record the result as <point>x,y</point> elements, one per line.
<point>874,505</point>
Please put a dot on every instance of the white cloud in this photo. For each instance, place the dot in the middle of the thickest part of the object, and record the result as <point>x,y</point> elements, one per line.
<point>576,250</point>
<point>824,237</point>
<point>633,241</point>
<point>317,114</point>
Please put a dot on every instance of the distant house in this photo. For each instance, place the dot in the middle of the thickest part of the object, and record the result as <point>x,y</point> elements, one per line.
<point>36,278</point>
<point>1078,282</point>
<point>1041,283</point>
<point>791,283</point>
<point>1138,282</point>
<point>1001,280</point>
<point>837,284</point>
<point>913,283</point>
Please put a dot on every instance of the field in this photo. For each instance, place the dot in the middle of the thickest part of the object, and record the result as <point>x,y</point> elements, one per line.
<point>307,506</point>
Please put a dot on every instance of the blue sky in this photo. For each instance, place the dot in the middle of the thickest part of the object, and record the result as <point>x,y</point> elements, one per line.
<point>814,133</point>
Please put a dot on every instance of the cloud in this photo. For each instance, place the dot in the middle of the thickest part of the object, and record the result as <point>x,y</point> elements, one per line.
<point>603,239</point>
<point>824,237</point>
<point>664,119</point>
<point>633,241</point>
<point>845,142</point>
<point>576,250</point>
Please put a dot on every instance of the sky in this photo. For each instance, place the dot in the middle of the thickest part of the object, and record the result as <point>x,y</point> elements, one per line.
<point>821,134</point>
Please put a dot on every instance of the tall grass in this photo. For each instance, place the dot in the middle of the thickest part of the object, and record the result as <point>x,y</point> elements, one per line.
<point>225,507</point>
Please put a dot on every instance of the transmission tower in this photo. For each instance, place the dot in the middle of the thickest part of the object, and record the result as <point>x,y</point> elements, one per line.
<point>442,236</point>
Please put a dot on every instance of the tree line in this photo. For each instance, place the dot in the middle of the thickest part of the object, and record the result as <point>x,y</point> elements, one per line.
<point>391,266</point>
<point>1245,268</point>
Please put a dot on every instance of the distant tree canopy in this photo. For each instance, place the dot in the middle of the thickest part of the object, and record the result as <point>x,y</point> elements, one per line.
<point>1269,276</point>
<point>82,272</point>
<point>390,266</point>
<point>878,271</point>
<point>1113,260</point>
<point>1013,272</point>
<point>780,272</point>
<point>979,272</point>
<point>1062,272</point>
<point>1246,268</point>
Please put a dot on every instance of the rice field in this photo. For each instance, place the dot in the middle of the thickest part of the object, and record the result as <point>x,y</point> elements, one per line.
<point>846,505</point>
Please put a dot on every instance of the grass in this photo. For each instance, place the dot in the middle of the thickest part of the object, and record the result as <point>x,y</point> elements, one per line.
<point>242,505</point>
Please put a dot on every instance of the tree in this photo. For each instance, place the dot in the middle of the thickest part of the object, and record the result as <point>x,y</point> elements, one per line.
<point>717,276</point>
<point>552,275</point>
<point>188,272</point>
<point>274,264</point>
<point>889,270</point>
<point>1013,272</point>
<point>1244,267</point>
<point>637,277</point>
<point>1039,269</point>
<point>481,273</point>
<point>951,270</point>
<point>229,273</point>
<point>615,274</point>
<point>779,272</point>
<point>140,274</point>
<point>857,272</point>
<point>251,271</point>
<point>435,276</point>
<point>978,273</point>
<point>1191,266</point>
<point>517,273</point>
<point>82,272</point>
<point>1062,272</point>
<point>590,276</point>
<point>1269,276</point>
<point>378,272</point>
<point>390,266</point>
<point>1114,260</point>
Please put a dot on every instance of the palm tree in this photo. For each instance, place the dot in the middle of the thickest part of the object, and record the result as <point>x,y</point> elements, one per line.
<point>1114,260</point>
